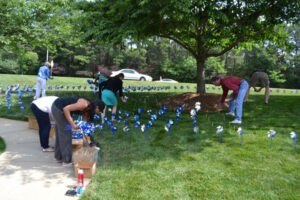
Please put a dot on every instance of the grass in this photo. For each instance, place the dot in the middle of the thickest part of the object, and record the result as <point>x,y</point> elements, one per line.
<point>2,145</point>
<point>184,168</point>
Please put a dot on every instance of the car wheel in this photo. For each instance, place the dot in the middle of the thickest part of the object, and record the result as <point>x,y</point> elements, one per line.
<point>142,79</point>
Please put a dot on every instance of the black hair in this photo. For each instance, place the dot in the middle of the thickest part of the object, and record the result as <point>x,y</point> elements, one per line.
<point>92,106</point>
<point>121,75</point>
<point>214,79</point>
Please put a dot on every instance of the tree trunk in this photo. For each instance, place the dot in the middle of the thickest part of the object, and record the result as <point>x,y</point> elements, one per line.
<point>200,75</point>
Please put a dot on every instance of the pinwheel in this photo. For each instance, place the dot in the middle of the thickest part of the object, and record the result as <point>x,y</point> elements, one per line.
<point>89,81</point>
<point>161,113</point>
<point>119,120</point>
<point>137,124</point>
<point>127,118</point>
<point>114,130</point>
<point>154,118</point>
<point>143,128</point>
<point>178,114</point>
<point>100,126</point>
<point>168,127</point>
<point>113,116</point>
<point>96,117</point>
<point>140,110</point>
<point>197,106</point>
<point>271,134</point>
<point>294,137</point>
<point>149,112</point>
<point>240,131</point>
<point>126,129</point>
<point>166,109</point>
<point>219,130</point>
<point>193,116</point>
<point>136,117</point>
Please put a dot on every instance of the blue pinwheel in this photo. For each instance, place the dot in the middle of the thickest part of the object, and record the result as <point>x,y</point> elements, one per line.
<point>271,134</point>
<point>140,110</point>
<point>137,124</point>
<point>127,116</point>
<point>136,117</point>
<point>161,113</point>
<point>89,81</point>
<point>154,118</point>
<point>114,130</point>
<point>119,120</point>
<point>166,109</point>
<point>168,127</point>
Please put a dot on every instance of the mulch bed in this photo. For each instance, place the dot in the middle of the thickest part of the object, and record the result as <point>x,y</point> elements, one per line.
<point>208,101</point>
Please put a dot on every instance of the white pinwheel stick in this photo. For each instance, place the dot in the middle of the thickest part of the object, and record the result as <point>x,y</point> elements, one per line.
<point>294,137</point>
<point>219,130</point>
<point>240,131</point>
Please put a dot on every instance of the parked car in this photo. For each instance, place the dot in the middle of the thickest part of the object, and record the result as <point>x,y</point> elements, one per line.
<point>131,74</point>
<point>167,80</point>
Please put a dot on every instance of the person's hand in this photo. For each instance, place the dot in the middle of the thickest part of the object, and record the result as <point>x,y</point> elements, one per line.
<point>124,100</point>
<point>228,99</point>
<point>74,127</point>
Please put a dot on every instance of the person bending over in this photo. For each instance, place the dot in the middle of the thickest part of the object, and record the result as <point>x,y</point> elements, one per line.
<point>62,110</point>
<point>259,76</point>
<point>239,87</point>
<point>110,89</point>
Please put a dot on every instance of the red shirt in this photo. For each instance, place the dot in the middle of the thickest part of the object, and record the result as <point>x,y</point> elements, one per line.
<point>230,83</point>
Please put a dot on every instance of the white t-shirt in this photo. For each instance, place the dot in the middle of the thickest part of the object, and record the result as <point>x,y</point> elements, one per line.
<point>45,103</point>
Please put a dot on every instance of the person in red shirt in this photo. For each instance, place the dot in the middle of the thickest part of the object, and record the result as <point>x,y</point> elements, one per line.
<point>239,87</point>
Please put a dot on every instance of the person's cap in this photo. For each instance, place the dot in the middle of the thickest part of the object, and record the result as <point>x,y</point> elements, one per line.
<point>47,64</point>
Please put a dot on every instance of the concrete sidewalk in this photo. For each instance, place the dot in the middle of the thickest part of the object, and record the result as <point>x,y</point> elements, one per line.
<point>28,173</point>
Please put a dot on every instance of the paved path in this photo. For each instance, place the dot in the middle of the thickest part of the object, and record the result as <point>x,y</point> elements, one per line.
<point>28,173</point>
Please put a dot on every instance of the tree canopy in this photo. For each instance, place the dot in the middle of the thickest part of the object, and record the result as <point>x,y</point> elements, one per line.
<point>206,28</point>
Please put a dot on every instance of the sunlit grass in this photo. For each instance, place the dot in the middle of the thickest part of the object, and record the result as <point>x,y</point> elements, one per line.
<point>184,168</point>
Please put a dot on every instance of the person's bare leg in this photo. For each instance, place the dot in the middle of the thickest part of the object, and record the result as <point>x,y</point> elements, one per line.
<point>267,94</point>
<point>103,114</point>
<point>114,110</point>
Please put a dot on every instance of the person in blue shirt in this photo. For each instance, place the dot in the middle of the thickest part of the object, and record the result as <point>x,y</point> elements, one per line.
<point>42,77</point>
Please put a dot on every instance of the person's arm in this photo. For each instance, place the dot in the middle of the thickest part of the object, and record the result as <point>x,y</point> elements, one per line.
<point>259,89</point>
<point>224,95</point>
<point>120,88</point>
<point>48,74</point>
<point>80,105</point>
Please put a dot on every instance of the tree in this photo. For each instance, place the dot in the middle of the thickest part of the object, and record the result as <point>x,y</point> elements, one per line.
<point>206,28</point>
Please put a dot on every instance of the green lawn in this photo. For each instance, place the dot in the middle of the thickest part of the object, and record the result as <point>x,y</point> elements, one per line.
<point>2,145</point>
<point>184,168</point>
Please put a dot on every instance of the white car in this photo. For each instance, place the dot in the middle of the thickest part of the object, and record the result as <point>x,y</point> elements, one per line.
<point>167,80</point>
<point>131,74</point>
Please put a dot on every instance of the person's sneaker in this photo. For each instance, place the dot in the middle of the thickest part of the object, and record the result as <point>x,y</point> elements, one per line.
<point>230,113</point>
<point>67,164</point>
<point>49,149</point>
<point>236,121</point>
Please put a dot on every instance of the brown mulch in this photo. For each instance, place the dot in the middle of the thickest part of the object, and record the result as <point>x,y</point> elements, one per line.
<point>208,101</point>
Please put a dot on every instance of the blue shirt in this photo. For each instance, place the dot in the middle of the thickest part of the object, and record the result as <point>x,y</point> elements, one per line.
<point>44,72</point>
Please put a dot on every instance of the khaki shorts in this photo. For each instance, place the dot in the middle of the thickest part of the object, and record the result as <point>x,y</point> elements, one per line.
<point>259,76</point>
